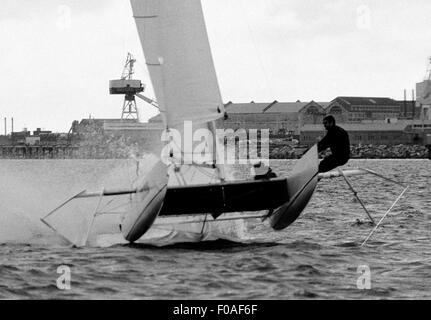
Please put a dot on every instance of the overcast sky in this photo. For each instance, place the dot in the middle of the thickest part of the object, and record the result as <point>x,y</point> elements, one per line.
<point>57,57</point>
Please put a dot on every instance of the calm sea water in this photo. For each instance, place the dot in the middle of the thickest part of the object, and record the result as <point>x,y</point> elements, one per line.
<point>318,257</point>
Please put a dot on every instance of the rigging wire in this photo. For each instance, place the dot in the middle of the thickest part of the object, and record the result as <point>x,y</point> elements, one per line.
<point>204,223</point>
<point>199,165</point>
<point>120,206</point>
<point>258,54</point>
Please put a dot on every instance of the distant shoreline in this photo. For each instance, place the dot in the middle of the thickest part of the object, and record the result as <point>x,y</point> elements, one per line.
<point>126,159</point>
<point>278,151</point>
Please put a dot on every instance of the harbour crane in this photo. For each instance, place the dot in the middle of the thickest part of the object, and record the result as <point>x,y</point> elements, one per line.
<point>130,88</point>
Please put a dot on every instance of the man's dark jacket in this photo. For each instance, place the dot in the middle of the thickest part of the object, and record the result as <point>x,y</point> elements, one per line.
<point>337,139</point>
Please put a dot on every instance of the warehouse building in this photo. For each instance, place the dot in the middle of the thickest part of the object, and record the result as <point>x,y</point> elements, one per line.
<point>402,132</point>
<point>281,118</point>
<point>359,109</point>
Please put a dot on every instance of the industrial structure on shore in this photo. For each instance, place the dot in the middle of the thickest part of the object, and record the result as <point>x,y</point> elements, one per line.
<point>369,121</point>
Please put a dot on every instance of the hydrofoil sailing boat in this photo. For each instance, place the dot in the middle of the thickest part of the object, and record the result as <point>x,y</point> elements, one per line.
<point>188,196</point>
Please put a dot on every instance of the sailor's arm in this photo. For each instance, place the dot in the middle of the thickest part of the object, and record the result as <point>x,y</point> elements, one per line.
<point>323,144</point>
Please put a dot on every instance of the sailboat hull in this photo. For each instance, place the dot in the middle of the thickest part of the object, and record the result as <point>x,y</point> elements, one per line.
<point>290,211</point>
<point>146,203</point>
<point>286,198</point>
<point>300,185</point>
<point>225,197</point>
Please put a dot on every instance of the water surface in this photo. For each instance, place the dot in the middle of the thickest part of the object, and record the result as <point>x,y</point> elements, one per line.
<point>316,258</point>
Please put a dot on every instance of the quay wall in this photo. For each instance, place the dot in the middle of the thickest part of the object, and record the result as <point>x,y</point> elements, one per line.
<point>279,151</point>
<point>122,150</point>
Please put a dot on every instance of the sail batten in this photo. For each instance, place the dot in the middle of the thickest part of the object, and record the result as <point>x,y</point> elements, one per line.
<point>145,17</point>
<point>178,56</point>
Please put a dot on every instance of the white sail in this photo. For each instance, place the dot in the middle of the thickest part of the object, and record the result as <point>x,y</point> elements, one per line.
<point>177,52</point>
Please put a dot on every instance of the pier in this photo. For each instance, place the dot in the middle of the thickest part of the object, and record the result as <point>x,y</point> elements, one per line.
<point>39,152</point>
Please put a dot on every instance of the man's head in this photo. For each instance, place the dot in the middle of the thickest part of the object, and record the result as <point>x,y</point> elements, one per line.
<point>329,122</point>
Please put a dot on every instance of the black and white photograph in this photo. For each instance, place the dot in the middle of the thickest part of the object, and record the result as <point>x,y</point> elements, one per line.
<point>215,154</point>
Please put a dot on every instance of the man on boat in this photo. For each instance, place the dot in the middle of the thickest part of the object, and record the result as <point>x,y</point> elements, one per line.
<point>337,139</point>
